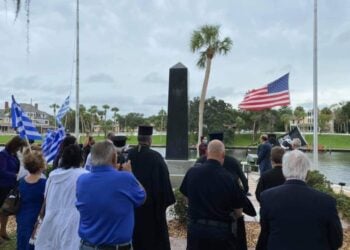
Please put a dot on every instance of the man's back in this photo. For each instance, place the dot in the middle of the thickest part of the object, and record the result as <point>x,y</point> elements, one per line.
<point>233,166</point>
<point>264,156</point>
<point>150,169</point>
<point>271,178</point>
<point>106,199</point>
<point>211,192</point>
<point>294,216</point>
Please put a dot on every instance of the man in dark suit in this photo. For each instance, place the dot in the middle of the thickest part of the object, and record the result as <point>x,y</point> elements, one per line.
<point>213,197</point>
<point>295,216</point>
<point>264,154</point>
<point>231,164</point>
<point>273,177</point>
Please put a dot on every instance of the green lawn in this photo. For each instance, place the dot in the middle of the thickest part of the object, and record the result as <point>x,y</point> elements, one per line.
<point>336,141</point>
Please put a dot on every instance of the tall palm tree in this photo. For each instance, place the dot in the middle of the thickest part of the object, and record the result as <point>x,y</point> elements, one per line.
<point>54,106</point>
<point>207,42</point>
<point>105,107</point>
<point>115,116</point>
<point>115,110</point>
<point>93,111</point>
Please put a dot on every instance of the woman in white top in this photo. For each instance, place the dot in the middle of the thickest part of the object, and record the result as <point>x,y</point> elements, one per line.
<point>59,230</point>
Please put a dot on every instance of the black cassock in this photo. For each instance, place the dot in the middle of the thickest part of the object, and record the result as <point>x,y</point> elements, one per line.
<point>151,230</point>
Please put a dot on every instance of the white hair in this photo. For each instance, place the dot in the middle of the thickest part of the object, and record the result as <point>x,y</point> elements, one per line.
<point>102,153</point>
<point>295,165</point>
<point>296,143</point>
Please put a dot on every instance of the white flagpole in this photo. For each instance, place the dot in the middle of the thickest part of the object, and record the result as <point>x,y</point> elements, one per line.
<point>315,107</point>
<point>77,79</point>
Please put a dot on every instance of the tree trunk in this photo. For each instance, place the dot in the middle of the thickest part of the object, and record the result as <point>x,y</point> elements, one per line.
<point>202,102</point>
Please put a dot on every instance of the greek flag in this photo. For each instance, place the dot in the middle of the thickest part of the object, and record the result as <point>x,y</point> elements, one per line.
<point>63,110</point>
<point>52,143</point>
<point>22,122</point>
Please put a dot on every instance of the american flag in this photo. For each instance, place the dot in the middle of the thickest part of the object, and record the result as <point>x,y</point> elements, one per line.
<point>272,95</point>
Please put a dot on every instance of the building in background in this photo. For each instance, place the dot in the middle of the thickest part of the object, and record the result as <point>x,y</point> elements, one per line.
<point>39,118</point>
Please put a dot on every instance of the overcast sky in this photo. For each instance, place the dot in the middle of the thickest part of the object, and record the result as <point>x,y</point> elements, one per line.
<point>128,46</point>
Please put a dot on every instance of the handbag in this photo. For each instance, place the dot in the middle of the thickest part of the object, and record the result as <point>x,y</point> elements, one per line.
<point>12,202</point>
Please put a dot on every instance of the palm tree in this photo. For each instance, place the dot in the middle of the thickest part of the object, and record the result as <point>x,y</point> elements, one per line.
<point>115,111</point>
<point>115,116</point>
<point>93,111</point>
<point>206,41</point>
<point>105,107</point>
<point>54,106</point>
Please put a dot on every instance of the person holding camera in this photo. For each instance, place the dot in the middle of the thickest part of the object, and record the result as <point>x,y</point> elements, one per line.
<point>107,214</point>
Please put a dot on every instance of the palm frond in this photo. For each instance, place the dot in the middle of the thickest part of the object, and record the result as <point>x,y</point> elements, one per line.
<point>197,41</point>
<point>202,60</point>
<point>225,46</point>
<point>210,34</point>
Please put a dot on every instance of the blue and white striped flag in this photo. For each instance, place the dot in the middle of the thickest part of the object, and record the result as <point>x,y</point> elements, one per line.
<point>22,123</point>
<point>52,143</point>
<point>63,110</point>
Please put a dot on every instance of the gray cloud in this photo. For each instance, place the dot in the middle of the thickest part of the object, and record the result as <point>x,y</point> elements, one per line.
<point>154,77</point>
<point>24,82</point>
<point>156,100</point>
<point>100,78</point>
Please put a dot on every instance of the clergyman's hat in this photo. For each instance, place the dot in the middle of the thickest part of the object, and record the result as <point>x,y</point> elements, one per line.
<point>145,130</point>
<point>119,140</point>
<point>216,136</point>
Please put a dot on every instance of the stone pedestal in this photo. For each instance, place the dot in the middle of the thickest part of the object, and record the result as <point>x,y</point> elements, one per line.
<point>177,170</point>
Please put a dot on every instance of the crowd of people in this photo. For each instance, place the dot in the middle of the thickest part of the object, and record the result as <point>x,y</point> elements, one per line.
<point>106,195</point>
<point>293,216</point>
<point>103,195</point>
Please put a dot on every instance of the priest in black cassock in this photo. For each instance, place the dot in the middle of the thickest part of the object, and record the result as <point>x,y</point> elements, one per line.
<point>149,167</point>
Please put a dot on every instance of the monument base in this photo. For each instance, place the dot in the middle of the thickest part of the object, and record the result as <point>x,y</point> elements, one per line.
<point>178,169</point>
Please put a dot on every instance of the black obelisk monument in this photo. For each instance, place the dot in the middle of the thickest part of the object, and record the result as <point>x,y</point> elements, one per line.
<point>177,128</point>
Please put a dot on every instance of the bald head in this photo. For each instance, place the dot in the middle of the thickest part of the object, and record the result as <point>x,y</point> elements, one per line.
<point>216,151</point>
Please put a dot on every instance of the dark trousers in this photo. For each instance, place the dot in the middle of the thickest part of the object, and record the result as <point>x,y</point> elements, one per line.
<point>205,237</point>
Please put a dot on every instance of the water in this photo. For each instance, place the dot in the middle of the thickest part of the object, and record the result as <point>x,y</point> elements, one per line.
<point>335,166</point>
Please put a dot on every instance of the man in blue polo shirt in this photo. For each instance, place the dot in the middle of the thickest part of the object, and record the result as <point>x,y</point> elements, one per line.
<point>106,199</point>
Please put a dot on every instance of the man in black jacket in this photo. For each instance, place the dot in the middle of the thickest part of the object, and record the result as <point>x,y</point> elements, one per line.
<point>273,177</point>
<point>212,198</point>
<point>296,216</point>
<point>231,164</point>
<point>150,169</point>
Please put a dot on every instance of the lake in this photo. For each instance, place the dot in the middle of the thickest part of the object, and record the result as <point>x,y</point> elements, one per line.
<point>335,166</point>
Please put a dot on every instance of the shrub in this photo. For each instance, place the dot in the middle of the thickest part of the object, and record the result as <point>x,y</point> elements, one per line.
<point>318,181</point>
<point>180,207</point>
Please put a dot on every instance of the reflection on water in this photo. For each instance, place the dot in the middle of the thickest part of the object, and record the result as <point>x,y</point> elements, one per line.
<point>335,166</point>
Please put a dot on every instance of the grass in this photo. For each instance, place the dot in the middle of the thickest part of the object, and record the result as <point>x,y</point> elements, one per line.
<point>334,141</point>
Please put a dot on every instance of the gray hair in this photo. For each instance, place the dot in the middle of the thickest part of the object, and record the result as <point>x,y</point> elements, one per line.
<point>296,143</point>
<point>102,153</point>
<point>295,165</point>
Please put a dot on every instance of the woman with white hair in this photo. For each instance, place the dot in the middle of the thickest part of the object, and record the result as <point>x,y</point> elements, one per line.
<point>294,215</point>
